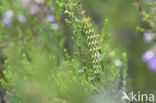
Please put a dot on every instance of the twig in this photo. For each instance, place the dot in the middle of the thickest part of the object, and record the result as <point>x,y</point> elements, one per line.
<point>138,5</point>
<point>79,49</point>
<point>150,22</point>
<point>77,43</point>
<point>81,10</point>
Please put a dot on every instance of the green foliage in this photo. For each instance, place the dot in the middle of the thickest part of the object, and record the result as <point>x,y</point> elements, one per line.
<point>94,50</point>
<point>39,68</point>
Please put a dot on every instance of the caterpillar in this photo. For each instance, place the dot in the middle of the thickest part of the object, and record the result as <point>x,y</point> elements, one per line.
<point>92,41</point>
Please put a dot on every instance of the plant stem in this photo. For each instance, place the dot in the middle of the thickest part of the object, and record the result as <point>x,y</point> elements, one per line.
<point>138,5</point>
<point>81,10</point>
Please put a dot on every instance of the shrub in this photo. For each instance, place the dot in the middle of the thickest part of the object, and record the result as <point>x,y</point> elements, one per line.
<point>38,68</point>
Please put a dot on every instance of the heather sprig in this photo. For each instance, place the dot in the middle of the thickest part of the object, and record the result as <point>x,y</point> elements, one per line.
<point>149,34</point>
<point>97,58</point>
<point>87,32</point>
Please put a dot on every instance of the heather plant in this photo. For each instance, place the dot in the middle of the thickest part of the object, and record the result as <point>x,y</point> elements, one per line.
<point>149,33</point>
<point>36,66</point>
<point>95,45</point>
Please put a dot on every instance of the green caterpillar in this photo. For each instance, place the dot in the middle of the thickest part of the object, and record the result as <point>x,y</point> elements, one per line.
<point>93,46</point>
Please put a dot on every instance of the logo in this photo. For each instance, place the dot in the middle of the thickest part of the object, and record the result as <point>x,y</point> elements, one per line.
<point>138,97</point>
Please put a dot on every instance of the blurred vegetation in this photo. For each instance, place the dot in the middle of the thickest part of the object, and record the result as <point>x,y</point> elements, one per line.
<point>47,56</point>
